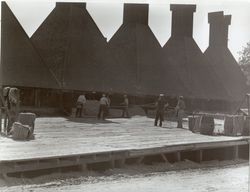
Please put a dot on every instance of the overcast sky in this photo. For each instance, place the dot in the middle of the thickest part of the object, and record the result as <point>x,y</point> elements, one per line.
<point>108,16</point>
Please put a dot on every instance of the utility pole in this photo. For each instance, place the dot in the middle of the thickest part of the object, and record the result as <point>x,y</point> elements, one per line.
<point>248,104</point>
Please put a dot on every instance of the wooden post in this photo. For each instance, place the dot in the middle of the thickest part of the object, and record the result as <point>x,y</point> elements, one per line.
<point>4,176</point>
<point>248,104</point>
<point>236,152</point>
<point>57,161</point>
<point>164,158</point>
<point>22,175</point>
<point>83,167</point>
<point>112,164</point>
<point>139,160</point>
<point>37,98</point>
<point>5,124</point>
<point>1,120</point>
<point>119,163</point>
<point>61,105</point>
<point>1,110</point>
<point>59,170</point>
<point>199,156</point>
<point>178,156</point>
<point>72,103</point>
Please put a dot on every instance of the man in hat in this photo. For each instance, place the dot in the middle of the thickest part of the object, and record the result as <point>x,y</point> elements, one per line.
<point>109,103</point>
<point>161,104</point>
<point>11,104</point>
<point>80,105</point>
<point>180,107</point>
<point>103,107</point>
<point>125,104</point>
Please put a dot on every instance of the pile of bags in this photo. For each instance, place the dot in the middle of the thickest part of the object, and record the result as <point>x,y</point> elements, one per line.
<point>201,123</point>
<point>234,125</point>
<point>23,129</point>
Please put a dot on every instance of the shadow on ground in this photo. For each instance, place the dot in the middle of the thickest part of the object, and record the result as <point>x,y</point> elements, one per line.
<point>90,120</point>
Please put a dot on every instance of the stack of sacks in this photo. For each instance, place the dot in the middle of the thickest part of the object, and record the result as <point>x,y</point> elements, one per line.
<point>19,131</point>
<point>194,123</point>
<point>24,128</point>
<point>233,125</point>
<point>204,124</point>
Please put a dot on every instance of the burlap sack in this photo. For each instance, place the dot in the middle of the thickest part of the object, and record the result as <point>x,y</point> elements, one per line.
<point>27,119</point>
<point>19,131</point>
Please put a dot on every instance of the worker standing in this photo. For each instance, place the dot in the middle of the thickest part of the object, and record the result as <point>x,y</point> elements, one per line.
<point>14,100</point>
<point>125,109</point>
<point>103,107</point>
<point>108,105</point>
<point>180,111</point>
<point>80,105</point>
<point>161,104</point>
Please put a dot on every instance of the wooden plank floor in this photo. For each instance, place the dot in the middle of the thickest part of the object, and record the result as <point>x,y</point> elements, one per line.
<point>62,137</point>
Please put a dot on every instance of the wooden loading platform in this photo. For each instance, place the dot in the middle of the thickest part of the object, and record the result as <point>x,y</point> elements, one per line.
<point>92,144</point>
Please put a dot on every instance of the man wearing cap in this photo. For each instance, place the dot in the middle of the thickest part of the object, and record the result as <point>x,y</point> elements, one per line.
<point>160,108</point>
<point>180,107</point>
<point>125,109</point>
<point>80,105</point>
<point>103,107</point>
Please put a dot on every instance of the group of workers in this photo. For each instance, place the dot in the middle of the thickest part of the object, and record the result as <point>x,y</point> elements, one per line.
<point>104,105</point>
<point>161,105</point>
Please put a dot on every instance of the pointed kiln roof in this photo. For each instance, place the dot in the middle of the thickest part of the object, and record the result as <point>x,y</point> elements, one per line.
<point>136,54</point>
<point>73,47</point>
<point>185,59</point>
<point>21,65</point>
<point>221,59</point>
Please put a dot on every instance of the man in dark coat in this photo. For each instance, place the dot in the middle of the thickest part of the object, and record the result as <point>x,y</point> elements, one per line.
<point>125,109</point>
<point>180,110</point>
<point>103,107</point>
<point>12,106</point>
<point>161,104</point>
<point>81,101</point>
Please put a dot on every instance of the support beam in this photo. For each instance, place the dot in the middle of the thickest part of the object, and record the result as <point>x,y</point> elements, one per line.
<point>164,157</point>
<point>58,161</point>
<point>119,163</point>
<point>37,98</point>
<point>139,160</point>
<point>178,156</point>
<point>1,120</point>
<point>59,170</point>
<point>199,156</point>
<point>22,176</point>
<point>248,103</point>
<point>236,152</point>
<point>112,164</point>
<point>4,176</point>
<point>83,167</point>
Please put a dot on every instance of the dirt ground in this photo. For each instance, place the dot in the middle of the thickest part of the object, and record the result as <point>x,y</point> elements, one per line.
<point>183,176</point>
